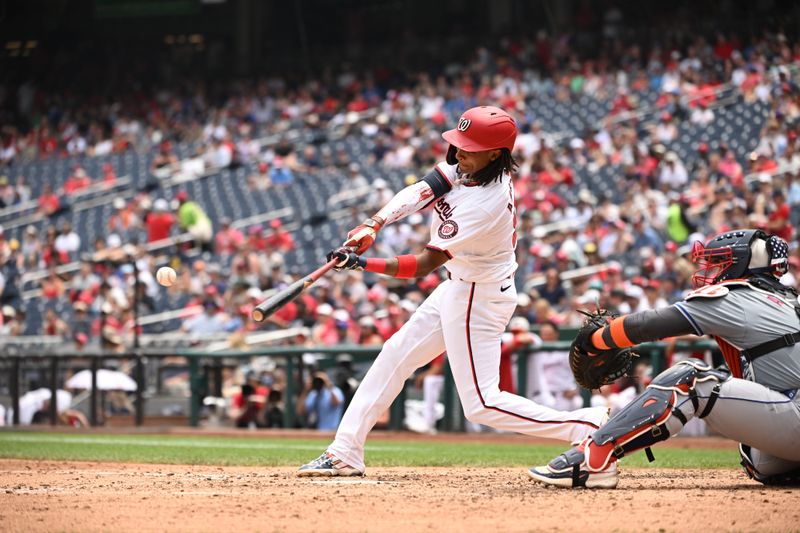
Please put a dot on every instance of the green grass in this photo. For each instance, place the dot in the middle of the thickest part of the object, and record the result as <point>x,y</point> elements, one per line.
<point>213,450</point>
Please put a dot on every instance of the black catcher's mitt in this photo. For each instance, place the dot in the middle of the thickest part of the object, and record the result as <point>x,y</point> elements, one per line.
<point>593,368</point>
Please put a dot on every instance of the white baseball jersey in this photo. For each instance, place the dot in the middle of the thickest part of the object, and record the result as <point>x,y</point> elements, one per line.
<point>475,226</point>
<point>465,316</point>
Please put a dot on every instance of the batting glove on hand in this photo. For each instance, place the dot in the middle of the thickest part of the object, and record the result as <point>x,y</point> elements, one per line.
<point>363,236</point>
<point>347,259</point>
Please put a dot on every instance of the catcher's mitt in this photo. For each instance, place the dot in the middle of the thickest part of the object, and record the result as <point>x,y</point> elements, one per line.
<point>593,368</point>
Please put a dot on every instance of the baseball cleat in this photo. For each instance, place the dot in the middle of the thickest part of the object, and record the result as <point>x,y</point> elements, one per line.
<point>569,470</point>
<point>328,464</point>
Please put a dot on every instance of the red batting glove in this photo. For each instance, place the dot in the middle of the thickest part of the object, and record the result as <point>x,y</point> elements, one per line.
<point>363,236</point>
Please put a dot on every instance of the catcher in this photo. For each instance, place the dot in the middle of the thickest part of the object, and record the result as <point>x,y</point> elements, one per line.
<point>754,319</point>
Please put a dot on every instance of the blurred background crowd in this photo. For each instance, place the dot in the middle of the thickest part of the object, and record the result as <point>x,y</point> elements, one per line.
<point>632,146</point>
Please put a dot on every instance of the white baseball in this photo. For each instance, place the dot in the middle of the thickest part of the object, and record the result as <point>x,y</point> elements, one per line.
<point>166,276</point>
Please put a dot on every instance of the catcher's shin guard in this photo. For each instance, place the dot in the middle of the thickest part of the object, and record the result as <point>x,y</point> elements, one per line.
<point>657,413</point>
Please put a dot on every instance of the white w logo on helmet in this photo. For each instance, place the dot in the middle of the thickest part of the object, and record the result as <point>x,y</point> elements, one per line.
<point>463,124</point>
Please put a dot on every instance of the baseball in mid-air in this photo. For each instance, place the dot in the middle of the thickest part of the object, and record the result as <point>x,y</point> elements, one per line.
<point>166,276</point>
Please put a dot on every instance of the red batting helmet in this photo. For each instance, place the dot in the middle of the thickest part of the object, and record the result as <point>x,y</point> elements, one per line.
<point>480,129</point>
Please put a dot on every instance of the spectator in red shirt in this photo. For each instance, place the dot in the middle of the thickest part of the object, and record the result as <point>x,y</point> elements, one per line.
<point>77,181</point>
<point>228,240</point>
<point>256,240</point>
<point>109,177</point>
<point>279,239</point>
<point>47,142</point>
<point>779,222</point>
<point>160,221</point>
<point>248,404</point>
<point>325,332</point>
<point>48,201</point>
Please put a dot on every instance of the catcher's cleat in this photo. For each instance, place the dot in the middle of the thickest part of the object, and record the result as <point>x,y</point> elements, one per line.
<point>569,470</point>
<point>328,464</point>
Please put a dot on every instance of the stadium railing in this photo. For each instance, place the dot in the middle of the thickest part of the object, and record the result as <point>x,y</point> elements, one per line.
<point>205,373</point>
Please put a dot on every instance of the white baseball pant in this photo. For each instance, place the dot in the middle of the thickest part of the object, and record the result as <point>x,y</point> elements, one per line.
<point>466,320</point>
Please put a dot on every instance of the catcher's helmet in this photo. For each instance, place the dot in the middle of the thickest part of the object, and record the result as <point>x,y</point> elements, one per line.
<point>480,129</point>
<point>739,254</point>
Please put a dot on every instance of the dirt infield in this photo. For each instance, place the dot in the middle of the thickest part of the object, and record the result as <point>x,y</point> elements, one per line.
<point>55,496</point>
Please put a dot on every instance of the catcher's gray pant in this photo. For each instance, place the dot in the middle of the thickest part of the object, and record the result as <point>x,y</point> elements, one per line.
<point>766,420</point>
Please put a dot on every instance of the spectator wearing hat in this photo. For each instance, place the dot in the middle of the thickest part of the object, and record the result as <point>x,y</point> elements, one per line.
<point>211,320</point>
<point>193,219</point>
<point>228,240</point>
<point>644,236</point>
<point>380,195</point>
<point>672,175</point>
<point>81,322</point>
<point>279,239</point>
<point>256,240</point>
<point>260,180</point>
<point>652,297</point>
<point>367,333</point>
<point>702,115</point>
<point>665,131</point>
<point>617,241</point>
<point>123,218</point>
<point>8,194</point>
<point>10,325</point>
<point>355,178</point>
<point>159,221</point>
<point>325,332</point>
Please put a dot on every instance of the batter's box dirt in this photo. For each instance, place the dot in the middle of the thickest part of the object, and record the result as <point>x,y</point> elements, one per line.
<point>55,496</point>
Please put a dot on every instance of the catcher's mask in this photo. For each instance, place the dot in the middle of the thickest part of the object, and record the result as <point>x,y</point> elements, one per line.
<point>738,254</point>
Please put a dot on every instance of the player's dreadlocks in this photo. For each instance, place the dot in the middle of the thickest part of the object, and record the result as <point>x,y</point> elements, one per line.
<point>495,169</point>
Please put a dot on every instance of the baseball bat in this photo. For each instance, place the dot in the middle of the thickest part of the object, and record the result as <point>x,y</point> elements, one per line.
<point>278,300</point>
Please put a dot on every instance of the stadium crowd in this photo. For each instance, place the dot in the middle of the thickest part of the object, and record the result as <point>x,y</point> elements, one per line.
<point>628,255</point>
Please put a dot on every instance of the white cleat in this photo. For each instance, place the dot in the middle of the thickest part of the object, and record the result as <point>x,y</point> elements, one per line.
<point>328,465</point>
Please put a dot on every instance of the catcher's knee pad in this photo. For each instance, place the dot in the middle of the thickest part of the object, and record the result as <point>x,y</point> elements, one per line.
<point>657,413</point>
<point>785,479</point>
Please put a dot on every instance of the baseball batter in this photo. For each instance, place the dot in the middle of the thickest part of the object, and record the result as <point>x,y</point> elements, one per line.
<point>473,235</point>
<point>756,323</point>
